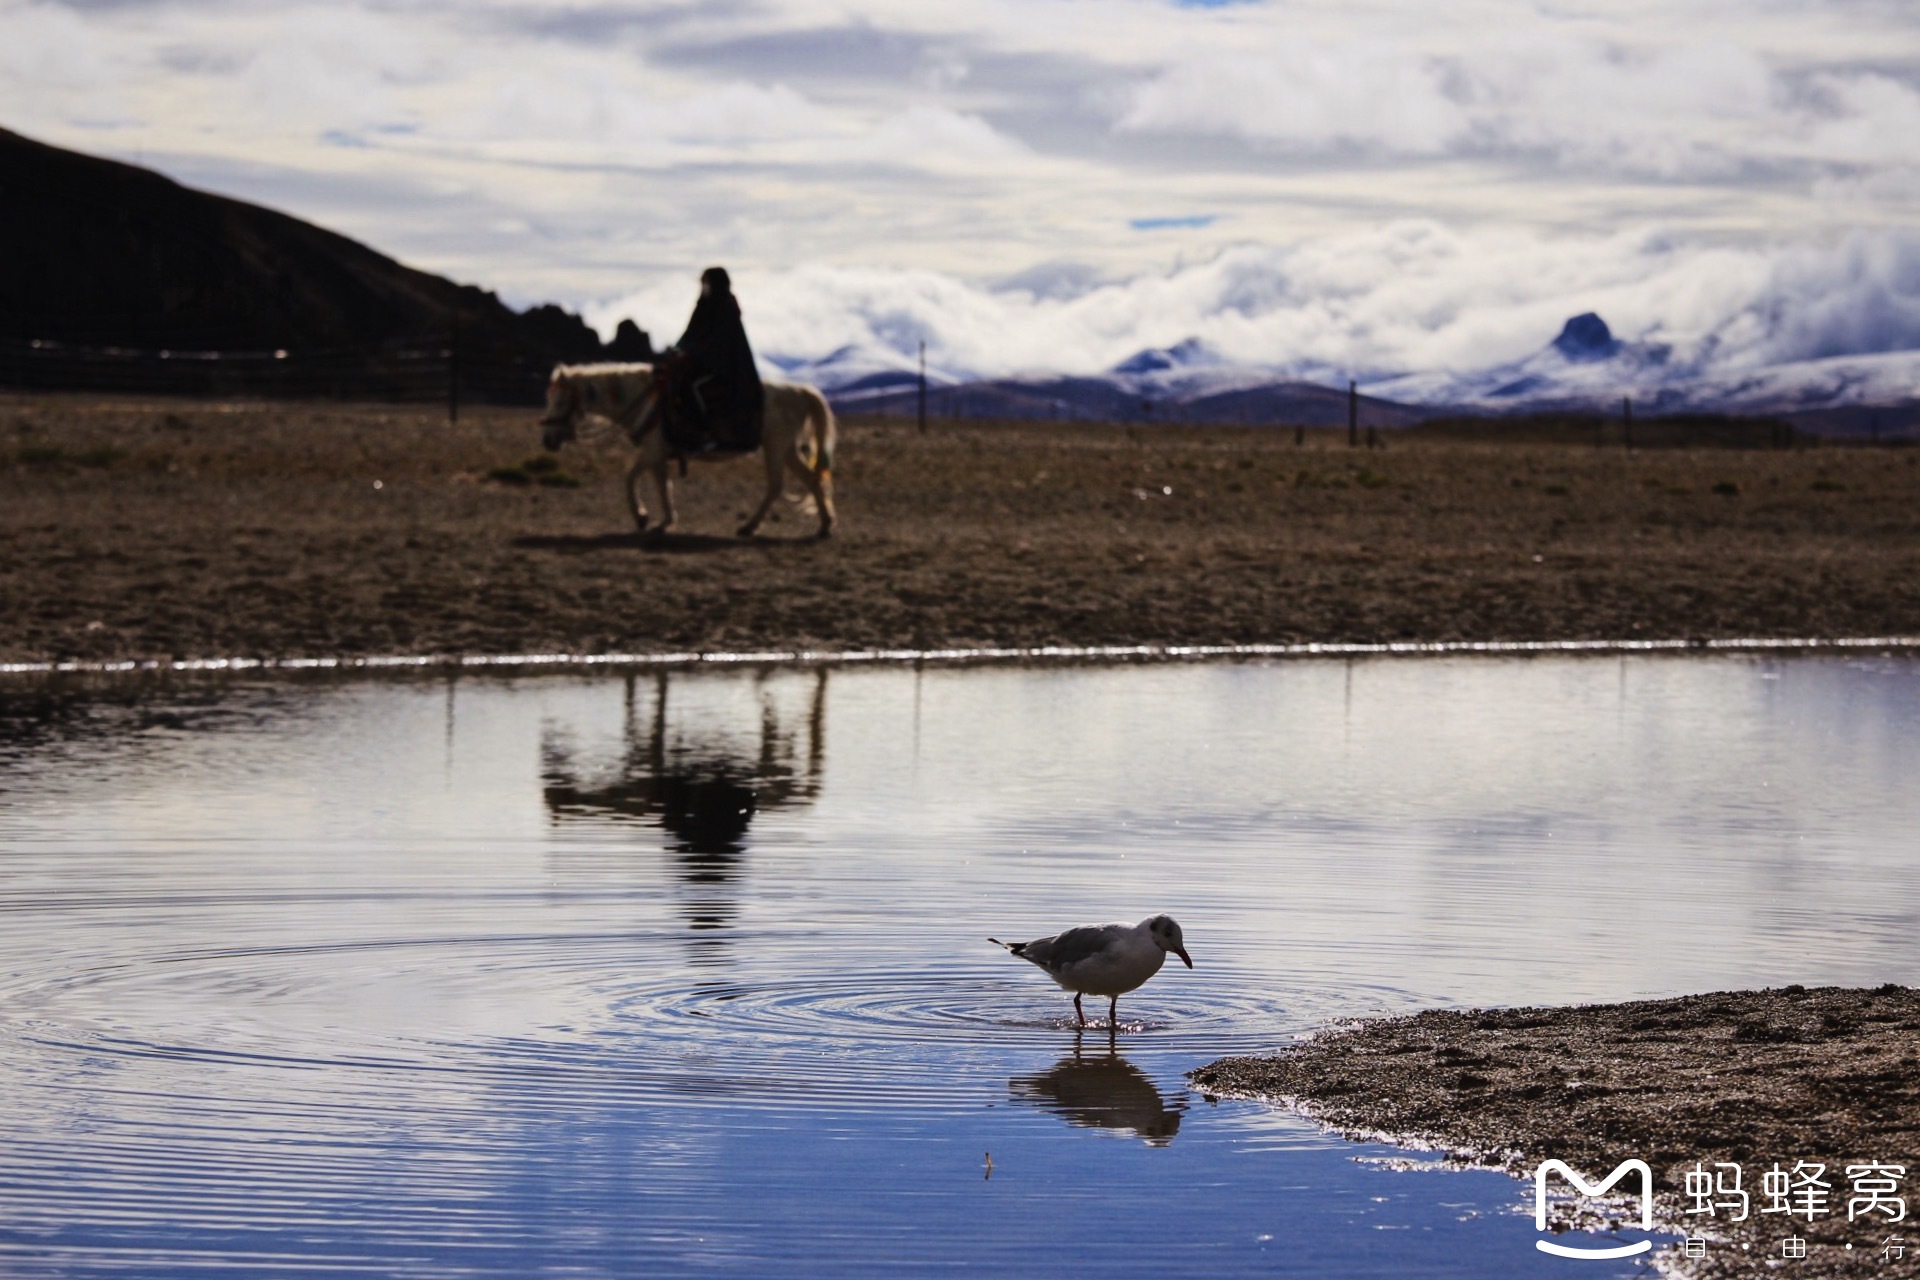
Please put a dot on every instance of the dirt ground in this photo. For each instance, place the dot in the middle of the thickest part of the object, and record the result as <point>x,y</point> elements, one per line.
<point>194,530</point>
<point>1829,1075</point>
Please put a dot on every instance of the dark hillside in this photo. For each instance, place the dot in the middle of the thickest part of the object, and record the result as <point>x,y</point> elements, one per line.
<point>107,255</point>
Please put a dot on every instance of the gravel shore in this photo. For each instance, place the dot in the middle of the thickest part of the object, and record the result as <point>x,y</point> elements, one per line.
<point>1825,1076</point>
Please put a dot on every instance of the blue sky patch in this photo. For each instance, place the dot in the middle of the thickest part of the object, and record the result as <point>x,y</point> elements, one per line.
<point>1164,224</point>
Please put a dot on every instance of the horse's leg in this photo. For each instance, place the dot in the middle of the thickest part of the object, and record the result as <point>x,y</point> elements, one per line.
<point>664,482</point>
<point>820,485</point>
<point>828,516</point>
<point>776,469</point>
<point>633,492</point>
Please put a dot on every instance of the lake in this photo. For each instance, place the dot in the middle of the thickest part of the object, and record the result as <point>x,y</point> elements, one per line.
<point>686,972</point>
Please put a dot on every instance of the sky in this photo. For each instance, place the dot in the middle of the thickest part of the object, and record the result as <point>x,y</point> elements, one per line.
<point>1056,184</point>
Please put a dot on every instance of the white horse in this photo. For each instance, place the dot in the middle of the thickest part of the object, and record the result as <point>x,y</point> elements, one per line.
<point>798,435</point>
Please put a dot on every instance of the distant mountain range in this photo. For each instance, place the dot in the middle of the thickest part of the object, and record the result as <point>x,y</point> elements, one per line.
<point>1584,369</point>
<point>1185,383</point>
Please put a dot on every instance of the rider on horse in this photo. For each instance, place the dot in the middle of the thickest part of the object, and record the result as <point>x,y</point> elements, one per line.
<point>710,385</point>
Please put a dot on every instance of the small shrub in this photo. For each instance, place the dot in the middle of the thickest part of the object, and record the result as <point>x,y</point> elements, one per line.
<point>540,464</point>
<point>1558,490</point>
<point>1824,485</point>
<point>557,480</point>
<point>1371,479</point>
<point>41,455</point>
<point>510,475</point>
<point>1727,489</point>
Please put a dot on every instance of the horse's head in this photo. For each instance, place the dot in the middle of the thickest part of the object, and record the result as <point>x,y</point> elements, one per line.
<point>562,418</point>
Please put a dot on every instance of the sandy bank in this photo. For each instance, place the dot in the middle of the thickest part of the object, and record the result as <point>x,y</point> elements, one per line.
<point>1828,1076</point>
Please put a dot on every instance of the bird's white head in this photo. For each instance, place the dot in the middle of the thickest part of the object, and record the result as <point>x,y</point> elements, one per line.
<point>1165,930</point>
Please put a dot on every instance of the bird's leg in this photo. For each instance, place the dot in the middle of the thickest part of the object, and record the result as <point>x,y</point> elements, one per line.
<point>1078,1011</point>
<point>1113,1013</point>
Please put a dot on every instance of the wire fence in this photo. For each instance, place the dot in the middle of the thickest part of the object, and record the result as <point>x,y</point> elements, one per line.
<point>419,372</point>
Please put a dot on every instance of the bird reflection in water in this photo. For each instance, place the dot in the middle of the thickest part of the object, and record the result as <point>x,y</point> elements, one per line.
<point>701,783</point>
<point>1102,1091</point>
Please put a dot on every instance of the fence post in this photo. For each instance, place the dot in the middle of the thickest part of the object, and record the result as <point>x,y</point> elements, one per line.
<point>453,371</point>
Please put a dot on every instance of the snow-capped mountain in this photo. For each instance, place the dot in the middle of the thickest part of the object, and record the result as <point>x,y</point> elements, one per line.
<point>1585,367</point>
<point>853,372</point>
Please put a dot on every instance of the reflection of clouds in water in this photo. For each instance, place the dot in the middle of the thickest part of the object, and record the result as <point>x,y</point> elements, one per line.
<point>1102,1092</point>
<point>701,783</point>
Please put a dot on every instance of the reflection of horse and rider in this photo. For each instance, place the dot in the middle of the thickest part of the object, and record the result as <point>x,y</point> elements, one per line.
<point>702,786</point>
<point>702,790</point>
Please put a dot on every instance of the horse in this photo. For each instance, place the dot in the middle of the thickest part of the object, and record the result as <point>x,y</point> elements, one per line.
<point>798,435</point>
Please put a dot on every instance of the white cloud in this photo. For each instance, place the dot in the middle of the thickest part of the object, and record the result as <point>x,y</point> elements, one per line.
<point>935,137</point>
<point>1305,96</point>
<point>1667,110</point>
<point>56,68</point>
<point>1876,123</point>
<point>1407,296</point>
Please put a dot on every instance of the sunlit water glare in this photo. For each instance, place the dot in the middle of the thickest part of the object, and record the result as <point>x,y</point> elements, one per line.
<point>687,973</point>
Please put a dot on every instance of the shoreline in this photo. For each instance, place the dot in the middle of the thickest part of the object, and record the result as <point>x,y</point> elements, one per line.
<point>966,657</point>
<point>1749,1078</point>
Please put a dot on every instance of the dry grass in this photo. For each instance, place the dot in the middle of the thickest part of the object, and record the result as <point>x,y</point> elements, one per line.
<point>183,529</point>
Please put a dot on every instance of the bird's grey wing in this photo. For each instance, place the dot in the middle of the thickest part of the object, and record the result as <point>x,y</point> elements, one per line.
<point>1064,950</point>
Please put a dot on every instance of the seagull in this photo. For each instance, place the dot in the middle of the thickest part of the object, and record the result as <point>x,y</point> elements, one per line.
<point>1104,959</point>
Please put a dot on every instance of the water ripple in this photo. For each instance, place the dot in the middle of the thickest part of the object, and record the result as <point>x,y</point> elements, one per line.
<point>610,1020</point>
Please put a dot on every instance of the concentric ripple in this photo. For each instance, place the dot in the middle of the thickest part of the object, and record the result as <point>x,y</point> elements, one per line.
<point>615,1013</point>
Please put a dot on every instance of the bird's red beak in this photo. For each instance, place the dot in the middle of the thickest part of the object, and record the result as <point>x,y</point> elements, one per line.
<point>1182,953</point>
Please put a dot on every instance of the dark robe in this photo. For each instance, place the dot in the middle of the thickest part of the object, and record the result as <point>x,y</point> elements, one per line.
<point>716,400</point>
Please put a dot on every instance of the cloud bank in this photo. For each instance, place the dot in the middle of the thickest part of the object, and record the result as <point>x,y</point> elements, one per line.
<point>1410,297</point>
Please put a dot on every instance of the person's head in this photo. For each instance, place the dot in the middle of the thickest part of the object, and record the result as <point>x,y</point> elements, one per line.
<point>714,280</point>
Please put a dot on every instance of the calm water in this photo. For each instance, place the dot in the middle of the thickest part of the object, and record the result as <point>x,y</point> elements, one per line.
<point>687,975</point>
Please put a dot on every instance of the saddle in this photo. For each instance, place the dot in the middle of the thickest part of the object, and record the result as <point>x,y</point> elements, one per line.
<point>701,414</point>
